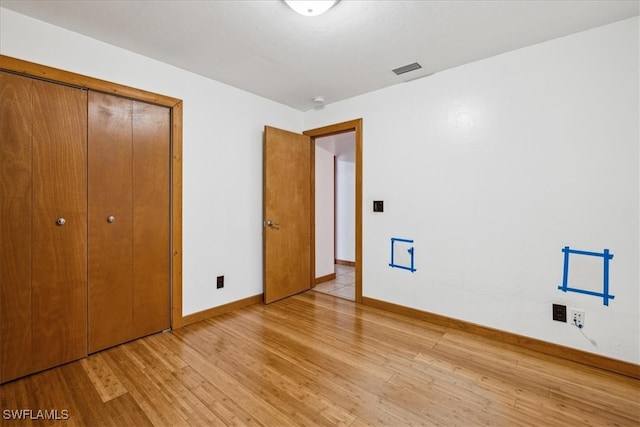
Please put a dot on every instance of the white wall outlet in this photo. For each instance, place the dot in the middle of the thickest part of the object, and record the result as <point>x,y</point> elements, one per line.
<point>576,317</point>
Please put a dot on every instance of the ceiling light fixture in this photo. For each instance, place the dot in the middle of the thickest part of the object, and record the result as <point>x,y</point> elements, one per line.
<point>310,7</point>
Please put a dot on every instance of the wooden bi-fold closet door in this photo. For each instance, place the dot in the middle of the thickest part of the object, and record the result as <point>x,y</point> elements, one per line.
<point>43,225</point>
<point>129,219</point>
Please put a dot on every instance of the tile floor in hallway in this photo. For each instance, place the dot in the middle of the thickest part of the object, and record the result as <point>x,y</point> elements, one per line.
<point>343,286</point>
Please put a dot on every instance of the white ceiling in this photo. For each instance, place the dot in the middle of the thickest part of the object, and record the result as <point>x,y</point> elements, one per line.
<point>265,48</point>
<point>342,145</point>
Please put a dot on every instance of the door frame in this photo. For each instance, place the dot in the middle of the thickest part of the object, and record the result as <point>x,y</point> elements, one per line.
<point>44,72</point>
<point>348,126</point>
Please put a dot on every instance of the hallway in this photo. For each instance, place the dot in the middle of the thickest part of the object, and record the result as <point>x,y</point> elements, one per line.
<point>343,286</point>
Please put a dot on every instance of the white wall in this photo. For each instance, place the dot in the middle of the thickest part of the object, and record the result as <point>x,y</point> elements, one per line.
<point>324,206</point>
<point>345,210</point>
<point>492,168</point>
<point>222,155</point>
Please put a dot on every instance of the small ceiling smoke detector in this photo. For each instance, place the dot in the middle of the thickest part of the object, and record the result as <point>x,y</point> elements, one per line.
<point>407,68</point>
<point>310,7</point>
<point>318,100</point>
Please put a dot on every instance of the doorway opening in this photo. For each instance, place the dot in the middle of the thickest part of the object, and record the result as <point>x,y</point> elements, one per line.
<point>335,258</point>
<point>336,246</point>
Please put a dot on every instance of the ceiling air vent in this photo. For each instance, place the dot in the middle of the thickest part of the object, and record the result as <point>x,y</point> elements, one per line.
<point>407,68</point>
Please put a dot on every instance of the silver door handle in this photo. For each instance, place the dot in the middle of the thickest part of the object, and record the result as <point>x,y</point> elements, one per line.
<point>271,224</point>
<point>111,218</point>
<point>61,221</point>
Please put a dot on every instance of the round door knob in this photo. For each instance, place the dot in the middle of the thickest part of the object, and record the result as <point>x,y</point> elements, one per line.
<point>61,221</point>
<point>111,218</point>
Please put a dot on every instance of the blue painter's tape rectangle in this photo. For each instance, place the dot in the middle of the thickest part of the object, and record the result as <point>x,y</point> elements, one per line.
<point>606,256</point>
<point>411,251</point>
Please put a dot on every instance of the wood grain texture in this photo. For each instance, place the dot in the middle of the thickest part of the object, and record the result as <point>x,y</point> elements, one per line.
<point>176,216</point>
<point>44,162</point>
<point>317,360</point>
<point>48,73</point>
<point>129,258</point>
<point>221,309</point>
<point>15,225</point>
<point>590,359</point>
<point>102,377</point>
<point>287,202</point>
<point>324,278</point>
<point>59,263</point>
<point>151,164</point>
<point>110,244</point>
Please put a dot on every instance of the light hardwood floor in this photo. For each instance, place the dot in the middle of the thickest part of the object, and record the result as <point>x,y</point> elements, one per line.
<point>314,360</point>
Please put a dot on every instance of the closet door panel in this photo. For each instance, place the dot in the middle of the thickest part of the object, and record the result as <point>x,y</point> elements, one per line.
<point>59,269</point>
<point>15,226</point>
<point>110,242</point>
<point>151,218</point>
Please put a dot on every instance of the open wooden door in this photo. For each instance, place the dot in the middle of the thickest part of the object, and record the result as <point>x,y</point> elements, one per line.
<point>286,213</point>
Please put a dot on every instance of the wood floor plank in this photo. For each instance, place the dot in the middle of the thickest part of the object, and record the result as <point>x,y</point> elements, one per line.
<point>274,370</point>
<point>155,345</point>
<point>339,327</point>
<point>359,422</point>
<point>147,395</point>
<point>344,315</point>
<point>557,414</point>
<point>230,387</point>
<point>60,396</point>
<point>322,356</point>
<point>432,404</point>
<point>195,376</point>
<point>598,381</point>
<point>183,401</point>
<point>215,399</point>
<point>571,395</point>
<point>353,392</point>
<point>318,360</point>
<point>80,396</point>
<point>127,412</point>
<point>482,382</point>
<point>104,380</point>
<point>328,346</point>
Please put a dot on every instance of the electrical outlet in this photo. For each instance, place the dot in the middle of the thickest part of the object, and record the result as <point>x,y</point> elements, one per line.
<point>577,317</point>
<point>560,313</point>
<point>220,282</point>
